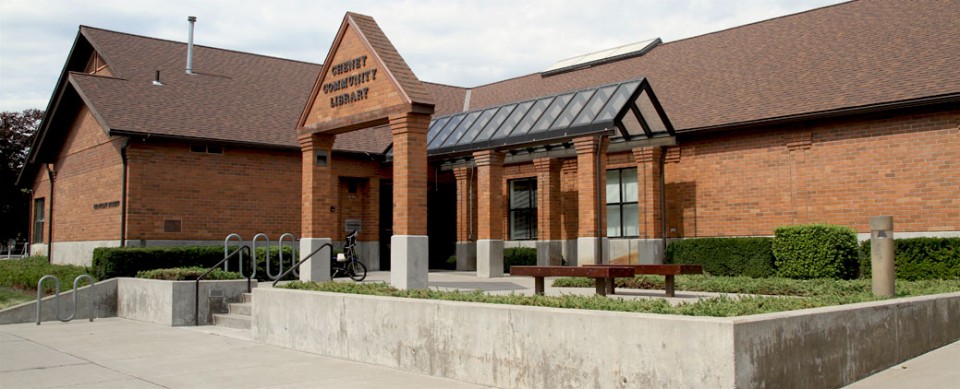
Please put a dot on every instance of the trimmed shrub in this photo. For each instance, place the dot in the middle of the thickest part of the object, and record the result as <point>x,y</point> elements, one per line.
<point>519,256</point>
<point>919,258</point>
<point>815,251</point>
<point>187,273</point>
<point>128,261</point>
<point>751,257</point>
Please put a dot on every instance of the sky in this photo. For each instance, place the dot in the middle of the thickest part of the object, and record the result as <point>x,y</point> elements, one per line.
<point>462,43</point>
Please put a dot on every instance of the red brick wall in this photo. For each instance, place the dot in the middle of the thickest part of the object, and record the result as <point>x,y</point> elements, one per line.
<point>242,191</point>
<point>841,171</point>
<point>88,172</point>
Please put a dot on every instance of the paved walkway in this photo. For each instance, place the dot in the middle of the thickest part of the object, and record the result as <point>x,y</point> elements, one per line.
<point>120,353</point>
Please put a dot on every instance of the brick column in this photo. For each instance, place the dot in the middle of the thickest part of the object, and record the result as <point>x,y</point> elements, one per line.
<point>318,201</point>
<point>650,185</point>
<point>490,213</point>
<point>549,245</point>
<point>591,194</point>
<point>466,234</point>
<point>409,255</point>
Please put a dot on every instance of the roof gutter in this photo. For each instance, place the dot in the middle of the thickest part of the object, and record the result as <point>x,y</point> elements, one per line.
<point>850,111</point>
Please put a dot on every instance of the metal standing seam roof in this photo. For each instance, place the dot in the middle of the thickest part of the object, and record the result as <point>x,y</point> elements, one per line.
<point>629,107</point>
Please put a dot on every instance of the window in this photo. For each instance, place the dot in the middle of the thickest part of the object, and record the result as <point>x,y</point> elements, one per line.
<point>210,149</point>
<point>623,215</point>
<point>523,209</point>
<point>38,220</point>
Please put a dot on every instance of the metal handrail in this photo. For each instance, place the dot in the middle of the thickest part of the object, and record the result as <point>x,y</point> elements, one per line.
<point>307,258</point>
<point>293,251</point>
<point>196,301</point>
<point>76,292</point>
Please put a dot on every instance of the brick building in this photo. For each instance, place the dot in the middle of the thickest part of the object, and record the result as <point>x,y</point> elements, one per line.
<point>831,115</point>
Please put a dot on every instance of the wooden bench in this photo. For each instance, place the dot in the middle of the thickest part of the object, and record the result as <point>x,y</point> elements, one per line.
<point>603,276</point>
<point>665,270</point>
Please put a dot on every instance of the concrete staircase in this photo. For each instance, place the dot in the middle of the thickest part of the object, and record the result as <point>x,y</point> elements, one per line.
<point>238,316</point>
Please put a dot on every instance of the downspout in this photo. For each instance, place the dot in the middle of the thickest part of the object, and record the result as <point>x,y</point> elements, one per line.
<point>663,201</point>
<point>51,174</point>
<point>123,194</point>
<point>470,205</point>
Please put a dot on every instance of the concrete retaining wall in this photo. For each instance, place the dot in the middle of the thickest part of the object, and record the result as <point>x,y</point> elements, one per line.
<point>516,346</point>
<point>172,302</point>
<point>104,297</point>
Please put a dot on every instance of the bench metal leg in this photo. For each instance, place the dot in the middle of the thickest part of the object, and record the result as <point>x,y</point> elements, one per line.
<point>611,286</point>
<point>538,286</point>
<point>601,284</point>
<point>670,285</point>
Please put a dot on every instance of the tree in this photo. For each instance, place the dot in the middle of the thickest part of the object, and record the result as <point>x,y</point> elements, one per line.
<point>16,134</point>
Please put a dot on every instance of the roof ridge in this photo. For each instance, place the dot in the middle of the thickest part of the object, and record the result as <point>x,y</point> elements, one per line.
<point>82,26</point>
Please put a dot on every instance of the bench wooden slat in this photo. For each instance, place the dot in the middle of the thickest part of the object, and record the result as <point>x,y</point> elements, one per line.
<point>571,271</point>
<point>658,269</point>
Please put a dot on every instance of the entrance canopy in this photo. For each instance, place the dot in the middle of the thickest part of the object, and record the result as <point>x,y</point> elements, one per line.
<point>630,108</point>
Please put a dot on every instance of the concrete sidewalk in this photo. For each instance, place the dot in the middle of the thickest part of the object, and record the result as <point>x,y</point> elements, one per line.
<point>119,353</point>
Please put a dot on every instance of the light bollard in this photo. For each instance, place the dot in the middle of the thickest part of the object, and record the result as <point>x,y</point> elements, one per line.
<point>881,255</point>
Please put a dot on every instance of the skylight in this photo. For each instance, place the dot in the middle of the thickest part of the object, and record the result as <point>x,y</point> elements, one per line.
<point>617,53</point>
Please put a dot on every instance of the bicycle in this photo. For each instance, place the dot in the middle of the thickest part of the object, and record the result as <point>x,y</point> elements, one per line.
<point>346,263</point>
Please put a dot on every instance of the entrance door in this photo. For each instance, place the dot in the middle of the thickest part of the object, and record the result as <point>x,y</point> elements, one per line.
<point>386,222</point>
<point>442,223</point>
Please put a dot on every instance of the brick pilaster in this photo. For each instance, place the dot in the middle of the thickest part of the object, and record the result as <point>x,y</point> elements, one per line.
<point>649,196</point>
<point>489,194</point>
<point>465,177</point>
<point>410,173</point>
<point>548,198</point>
<point>591,185</point>
<point>318,193</point>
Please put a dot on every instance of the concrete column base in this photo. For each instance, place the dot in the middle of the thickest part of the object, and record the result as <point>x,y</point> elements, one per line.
<point>635,251</point>
<point>317,269</point>
<point>466,256</point>
<point>409,261</point>
<point>489,258</point>
<point>369,254</point>
<point>549,252</point>
<point>587,251</point>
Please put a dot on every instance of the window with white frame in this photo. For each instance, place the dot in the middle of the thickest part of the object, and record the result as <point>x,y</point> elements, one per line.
<point>623,212</point>
<point>38,219</point>
<point>523,209</point>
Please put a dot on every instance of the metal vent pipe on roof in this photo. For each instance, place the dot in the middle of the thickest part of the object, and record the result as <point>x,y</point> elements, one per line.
<point>192,20</point>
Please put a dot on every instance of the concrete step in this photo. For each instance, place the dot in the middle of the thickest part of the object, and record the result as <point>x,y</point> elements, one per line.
<point>243,322</point>
<point>240,308</point>
<point>248,297</point>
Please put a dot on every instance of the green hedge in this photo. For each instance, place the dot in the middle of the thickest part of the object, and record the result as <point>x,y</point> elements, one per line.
<point>816,251</point>
<point>518,256</point>
<point>919,258</point>
<point>128,261</point>
<point>751,257</point>
<point>187,274</point>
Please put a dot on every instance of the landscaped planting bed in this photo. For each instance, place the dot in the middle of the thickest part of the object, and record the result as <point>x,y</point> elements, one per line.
<point>778,294</point>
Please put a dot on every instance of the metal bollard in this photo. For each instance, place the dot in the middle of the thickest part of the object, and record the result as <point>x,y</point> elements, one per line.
<point>881,255</point>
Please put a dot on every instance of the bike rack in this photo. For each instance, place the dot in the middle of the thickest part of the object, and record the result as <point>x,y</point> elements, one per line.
<point>293,251</point>
<point>76,281</point>
<point>226,250</point>
<point>253,252</point>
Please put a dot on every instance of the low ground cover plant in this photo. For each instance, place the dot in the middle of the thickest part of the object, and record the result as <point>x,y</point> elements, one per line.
<point>847,292</point>
<point>188,273</point>
<point>18,278</point>
<point>25,273</point>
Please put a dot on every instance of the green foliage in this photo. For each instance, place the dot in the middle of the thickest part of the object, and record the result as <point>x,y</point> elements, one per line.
<point>452,262</point>
<point>187,273</point>
<point>10,297</point>
<point>817,293</point>
<point>16,133</point>
<point>518,256</point>
<point>751,257</point>
<point>25,273</point>
<point>919,258</point>
<point>128,261</point>
<point>815,251</point>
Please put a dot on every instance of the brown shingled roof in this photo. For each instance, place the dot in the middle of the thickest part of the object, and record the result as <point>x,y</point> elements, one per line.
<point>854,54</point>
<point>232,96</point>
